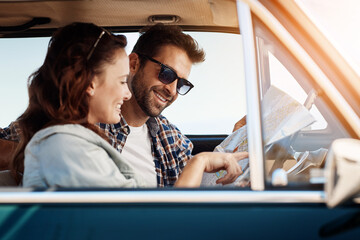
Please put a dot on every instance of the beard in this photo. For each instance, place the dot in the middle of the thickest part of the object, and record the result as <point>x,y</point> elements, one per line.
<point>144,95</point>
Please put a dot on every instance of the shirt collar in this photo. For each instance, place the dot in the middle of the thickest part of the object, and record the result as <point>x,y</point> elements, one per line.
<point>122,126</point>
<point>153,126</point>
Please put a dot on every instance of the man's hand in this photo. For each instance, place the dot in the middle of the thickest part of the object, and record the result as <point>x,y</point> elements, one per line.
<point>240,123</point>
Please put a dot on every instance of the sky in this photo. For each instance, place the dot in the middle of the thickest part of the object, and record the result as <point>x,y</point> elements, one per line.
<point>339,20</point>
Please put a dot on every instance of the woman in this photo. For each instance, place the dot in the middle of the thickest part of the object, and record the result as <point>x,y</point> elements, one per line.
<point>83,81</point>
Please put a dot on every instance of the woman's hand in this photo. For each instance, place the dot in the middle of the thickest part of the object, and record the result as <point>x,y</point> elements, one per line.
<point>211,162</point>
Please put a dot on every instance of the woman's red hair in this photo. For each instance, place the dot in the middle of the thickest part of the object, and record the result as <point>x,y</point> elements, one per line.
<point>57,90</point>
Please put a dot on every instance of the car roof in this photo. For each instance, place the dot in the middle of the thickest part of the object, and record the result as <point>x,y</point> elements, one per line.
<point>36,18</point>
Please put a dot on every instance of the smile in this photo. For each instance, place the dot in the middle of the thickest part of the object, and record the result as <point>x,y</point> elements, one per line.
<point>161,97</point>
<point>118,106</point>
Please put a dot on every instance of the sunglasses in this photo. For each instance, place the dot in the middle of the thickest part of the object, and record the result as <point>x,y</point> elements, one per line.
<point>168,75</point>
<point>97,42</point>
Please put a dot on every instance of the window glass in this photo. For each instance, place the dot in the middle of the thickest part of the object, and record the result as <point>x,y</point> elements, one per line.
<point>212,107</point>
<point>19,57</point>
<point>282,79</point>
<point>338,21</point>
<point>217,101</point>
<point>298,125</point>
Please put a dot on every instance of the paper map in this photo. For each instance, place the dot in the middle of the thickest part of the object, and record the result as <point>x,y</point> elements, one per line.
<point>282,117</point>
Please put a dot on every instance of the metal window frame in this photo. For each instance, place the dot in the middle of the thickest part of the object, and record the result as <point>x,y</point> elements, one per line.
<point>253,117</point>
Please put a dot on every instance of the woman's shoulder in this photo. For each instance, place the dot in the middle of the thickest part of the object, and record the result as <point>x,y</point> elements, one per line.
<point>65,131</point>
<point>67,135</point>
<point>74,129</point>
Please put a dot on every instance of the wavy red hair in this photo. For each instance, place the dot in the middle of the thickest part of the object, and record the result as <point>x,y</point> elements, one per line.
<point>57,90</point>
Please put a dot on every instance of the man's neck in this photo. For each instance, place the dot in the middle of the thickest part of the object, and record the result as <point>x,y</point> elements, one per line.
<point>133,114</point>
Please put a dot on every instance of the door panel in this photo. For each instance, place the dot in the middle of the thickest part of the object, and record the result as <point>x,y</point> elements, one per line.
<point>178,221</point>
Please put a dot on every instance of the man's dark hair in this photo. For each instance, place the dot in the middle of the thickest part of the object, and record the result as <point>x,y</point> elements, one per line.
<point>154,37</point>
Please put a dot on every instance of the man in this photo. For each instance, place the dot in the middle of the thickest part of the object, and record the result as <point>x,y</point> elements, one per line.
<point>159,65</point>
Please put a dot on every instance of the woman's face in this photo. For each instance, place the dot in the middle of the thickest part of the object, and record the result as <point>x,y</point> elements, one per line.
<point>109,90</point>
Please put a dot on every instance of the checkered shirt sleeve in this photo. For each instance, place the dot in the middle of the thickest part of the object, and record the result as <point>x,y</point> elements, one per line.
<point>172,152</point>
<point>12,132</point>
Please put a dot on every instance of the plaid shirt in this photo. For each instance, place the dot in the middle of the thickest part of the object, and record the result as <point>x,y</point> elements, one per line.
<point>11,132</point>
<point>170,148</point>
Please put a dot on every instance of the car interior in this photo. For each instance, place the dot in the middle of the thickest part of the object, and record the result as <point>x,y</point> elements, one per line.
<point>34,19</point>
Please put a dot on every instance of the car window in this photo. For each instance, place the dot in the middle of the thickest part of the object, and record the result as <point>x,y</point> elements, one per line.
<point>280,75</point>
<point>19,57</point>
<point>212,107</point>
<point>217,101</point>
<point>298,124</point>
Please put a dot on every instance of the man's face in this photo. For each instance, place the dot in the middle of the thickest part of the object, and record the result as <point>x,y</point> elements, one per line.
<point>151,95</point>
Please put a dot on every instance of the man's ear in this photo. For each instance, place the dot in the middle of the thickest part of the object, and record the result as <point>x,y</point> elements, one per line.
<point>91,89</point>
<point>134,62</point>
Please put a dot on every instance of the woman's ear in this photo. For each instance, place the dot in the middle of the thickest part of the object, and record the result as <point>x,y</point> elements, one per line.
<point>91,89</point>
<point>134,62</point>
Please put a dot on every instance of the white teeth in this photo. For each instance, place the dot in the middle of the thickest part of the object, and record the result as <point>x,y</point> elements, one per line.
<point>161,98</point>
<point>118,106</point>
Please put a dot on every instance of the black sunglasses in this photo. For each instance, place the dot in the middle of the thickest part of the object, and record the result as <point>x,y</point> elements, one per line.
<point>168,75</point>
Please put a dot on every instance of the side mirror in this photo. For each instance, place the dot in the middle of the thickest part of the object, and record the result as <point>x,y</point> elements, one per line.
<point>342,171</point>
